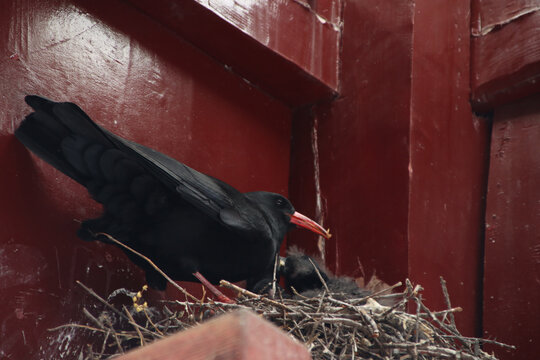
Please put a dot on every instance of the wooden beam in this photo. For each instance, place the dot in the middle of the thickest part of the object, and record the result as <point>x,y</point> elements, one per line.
<point>285,48</point>
<point>506,63</point>
<point>240,335</point>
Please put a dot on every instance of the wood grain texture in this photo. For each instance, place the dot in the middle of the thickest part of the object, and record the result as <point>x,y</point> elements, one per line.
<point>489,14</point>
<point>284,47</point>
<point>241,335</point>
<point>506,63</point>
<point>512,247</point>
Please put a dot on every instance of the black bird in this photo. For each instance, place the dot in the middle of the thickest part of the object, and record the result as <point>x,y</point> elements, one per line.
<point>301,272</point>
<point>187,222</point>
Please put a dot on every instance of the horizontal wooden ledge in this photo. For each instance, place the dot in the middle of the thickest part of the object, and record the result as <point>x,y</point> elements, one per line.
<point>506,63</point>
<point>282,47</point>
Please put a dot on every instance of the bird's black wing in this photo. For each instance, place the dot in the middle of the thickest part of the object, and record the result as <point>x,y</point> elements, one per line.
<point>213,197</point>
<point>208,194</point>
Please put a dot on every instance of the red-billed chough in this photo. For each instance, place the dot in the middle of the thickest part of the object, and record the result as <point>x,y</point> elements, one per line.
<point>187,222</point>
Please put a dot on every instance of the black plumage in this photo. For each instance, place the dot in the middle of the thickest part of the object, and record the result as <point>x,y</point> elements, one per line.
<point>185,221</point>
<point>303,273</point>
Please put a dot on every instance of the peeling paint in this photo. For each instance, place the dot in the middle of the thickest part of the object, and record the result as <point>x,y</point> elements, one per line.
<point>319,213</point>
<point>484,29</point>
<point>20,264</point>
<point>321,19</point>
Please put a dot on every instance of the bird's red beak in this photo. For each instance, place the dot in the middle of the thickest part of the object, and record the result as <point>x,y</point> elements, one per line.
<point>307,223</point>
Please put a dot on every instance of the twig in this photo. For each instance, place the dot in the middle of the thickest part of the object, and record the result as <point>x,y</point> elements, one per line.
<point>135,326</point>
<point>252,295</point>
<point>171,281</point>
<point>319,275</point>
<point>447,301</point>
<point>100,299</point>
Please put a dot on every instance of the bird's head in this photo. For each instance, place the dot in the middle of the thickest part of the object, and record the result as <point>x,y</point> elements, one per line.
<point>301,272</point>
<point>280,208</point>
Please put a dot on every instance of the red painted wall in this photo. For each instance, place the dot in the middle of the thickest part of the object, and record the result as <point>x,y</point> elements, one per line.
<point>139,80</point>
<point>505,70</point>
<point>362,142</point>
<point>448,163</point>
<point>512,260</point>
<point>402,161</point>
<point>395,166</point>
<point>505,58</point>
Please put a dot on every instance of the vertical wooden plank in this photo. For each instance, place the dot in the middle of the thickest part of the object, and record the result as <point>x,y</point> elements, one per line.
<point>448,157</point>
<point>512,245</point>
<point>350,157</point>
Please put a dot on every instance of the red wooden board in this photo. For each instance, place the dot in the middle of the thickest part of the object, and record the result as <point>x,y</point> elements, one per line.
<point>241,335</point>
<point>487,15</point>
<point>506,63</point>
<point>284,47</point>
<point>141,81</point>
<point>351,156</point>
<point>448,163</point>
<point>512,248</point>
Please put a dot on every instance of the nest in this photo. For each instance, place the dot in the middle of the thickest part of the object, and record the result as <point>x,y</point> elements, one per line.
<point>331,325</point>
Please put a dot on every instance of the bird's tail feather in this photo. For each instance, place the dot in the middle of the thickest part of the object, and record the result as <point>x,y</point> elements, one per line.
<point>46,130</point>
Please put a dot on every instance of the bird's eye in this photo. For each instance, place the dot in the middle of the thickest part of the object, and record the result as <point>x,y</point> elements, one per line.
<point>280,202</point>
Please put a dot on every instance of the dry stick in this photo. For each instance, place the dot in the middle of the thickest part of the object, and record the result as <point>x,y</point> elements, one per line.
<point>487,341</point>
<point>274,277</point>
<point>447,301</point>
<point>378,293</point>
<point>319,308</point>
<point>449,328</point>
<point>91,317</point>
<point>132,322</point>
<point>250,294</point>
<point>417,322</point>
<point>86,327</point>
<point>171,281</point>
<point>407,295</point>
<point>442,312</point>
<point>447,353</point>
<point>115,334</point>
<point>102,326</point>
<point>439,322</point>
<point>209,305</point>
<point>100,299</point>
<point>104,345</point>
<point>119,313</point>
<point>407,345</point>
<point>371,323</point>
<point>313,333</point>
<point>319,275</point>
<point>297,325</point>
<point>152,323</point>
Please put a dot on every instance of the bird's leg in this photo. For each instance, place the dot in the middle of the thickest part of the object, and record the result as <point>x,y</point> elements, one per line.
<point>220,296</point>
